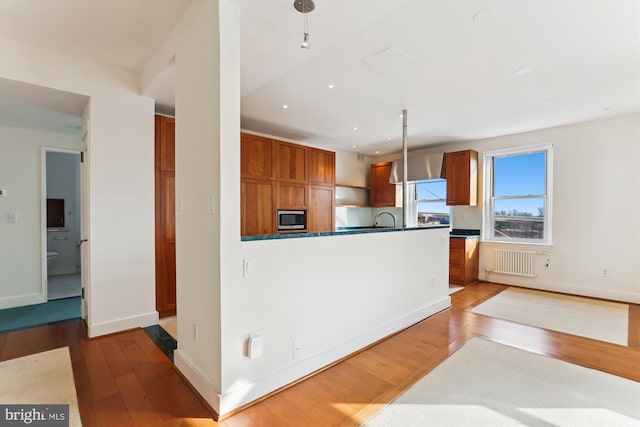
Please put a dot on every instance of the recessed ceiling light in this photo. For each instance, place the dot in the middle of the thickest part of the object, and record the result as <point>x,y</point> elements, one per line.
<point>355,128</point>
<point>353,146</point>
<point>331,86</point>
<point>388,139</point>
<point>285,106</point>
<point>377,152</point>
<point>523,71</point>
<point>486,15</point>
<point>605,109</point>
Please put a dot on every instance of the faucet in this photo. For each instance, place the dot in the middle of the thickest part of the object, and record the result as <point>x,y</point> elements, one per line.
<point>375,220</point>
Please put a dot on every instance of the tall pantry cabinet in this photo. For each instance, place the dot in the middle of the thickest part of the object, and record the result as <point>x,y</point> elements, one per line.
<point>165,178</point>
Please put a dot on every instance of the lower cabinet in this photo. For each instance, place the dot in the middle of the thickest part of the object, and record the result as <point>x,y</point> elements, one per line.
<point>321,208</point>
<point>257,213</point>
<point>463,260</point>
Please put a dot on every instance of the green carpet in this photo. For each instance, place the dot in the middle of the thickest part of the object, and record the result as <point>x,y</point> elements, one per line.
<point>28,316</point>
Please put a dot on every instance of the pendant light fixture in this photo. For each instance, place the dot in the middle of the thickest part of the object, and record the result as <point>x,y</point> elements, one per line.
<point>304,7</point>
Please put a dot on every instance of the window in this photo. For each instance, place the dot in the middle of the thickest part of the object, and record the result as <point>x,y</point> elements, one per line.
<point>517,195</point>
<point>431,202</point>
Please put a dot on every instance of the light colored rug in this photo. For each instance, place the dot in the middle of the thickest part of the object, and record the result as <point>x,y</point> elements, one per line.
<point>41,378</point>
<point>490,384</point>
<point>585,317</point>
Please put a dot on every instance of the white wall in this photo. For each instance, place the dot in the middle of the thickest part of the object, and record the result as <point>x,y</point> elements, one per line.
<point>596,208</point>
<point>121,271</point>
<point>63,182</point>
<point>333,295</point>
<point>21,243</point>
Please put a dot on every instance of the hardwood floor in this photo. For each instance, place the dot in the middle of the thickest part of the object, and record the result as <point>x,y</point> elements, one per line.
<point>125,380</point>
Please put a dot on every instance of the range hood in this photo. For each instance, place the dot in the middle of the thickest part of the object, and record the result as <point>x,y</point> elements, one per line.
<point>425,166</point>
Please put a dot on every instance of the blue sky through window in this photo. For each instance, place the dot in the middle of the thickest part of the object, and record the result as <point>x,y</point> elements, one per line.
<point>519,175</point>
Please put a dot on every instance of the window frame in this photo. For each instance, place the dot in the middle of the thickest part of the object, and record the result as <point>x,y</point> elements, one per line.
<point>417,201</point>
<point>488,212</point>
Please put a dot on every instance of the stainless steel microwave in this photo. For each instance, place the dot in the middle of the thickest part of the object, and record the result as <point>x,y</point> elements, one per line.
<point>291,220</point>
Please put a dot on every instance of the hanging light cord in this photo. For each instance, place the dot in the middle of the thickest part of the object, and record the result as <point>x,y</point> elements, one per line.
<point>305,42</point>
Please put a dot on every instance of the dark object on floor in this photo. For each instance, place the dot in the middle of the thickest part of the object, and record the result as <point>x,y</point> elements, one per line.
<point>163,340</point>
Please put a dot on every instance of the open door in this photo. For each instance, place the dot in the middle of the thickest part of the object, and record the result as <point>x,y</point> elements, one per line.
<point>84,222</point>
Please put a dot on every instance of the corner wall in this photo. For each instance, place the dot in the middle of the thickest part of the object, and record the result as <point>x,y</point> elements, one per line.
<point>121,266</point>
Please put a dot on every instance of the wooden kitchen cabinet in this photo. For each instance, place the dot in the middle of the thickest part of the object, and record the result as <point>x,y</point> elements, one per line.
<point>165,219</point>
<point>291,195</point>
<point>256,157</point>
<point>281,175</point>
<point>257,212</point>
<point>463,260</point>
<point>291,162</point>
<point>461,173</point>
<point>382,193</point>
<point>322,167</point>
<point>321,208</point>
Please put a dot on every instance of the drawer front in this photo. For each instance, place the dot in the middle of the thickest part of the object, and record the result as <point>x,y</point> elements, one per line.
<point>456,274</point>
<point>456,243</point>
<point>456,257</point>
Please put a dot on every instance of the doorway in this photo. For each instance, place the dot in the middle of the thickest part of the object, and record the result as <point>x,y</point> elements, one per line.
<point>62,232</point>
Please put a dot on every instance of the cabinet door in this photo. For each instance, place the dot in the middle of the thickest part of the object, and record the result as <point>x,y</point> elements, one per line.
<point>256,157</point>
<point>165,143</point>
<point>322,167</point>
<point>321,208</point>
<point>257,214</point>
<point>165,220</point>
<point>462,178</point>
<point>291,196</point>
<point>291,162</point>
<point>166,247</point>
<point>382,193</point>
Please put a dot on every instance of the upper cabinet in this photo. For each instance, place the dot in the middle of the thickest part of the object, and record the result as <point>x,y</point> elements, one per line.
<point>165,130</point>
<point>461,172</point>
<point>382,194</point>
<point>322,167</point>
<point>256,157</point>
<point>281,175</point>
<point>291,162</point>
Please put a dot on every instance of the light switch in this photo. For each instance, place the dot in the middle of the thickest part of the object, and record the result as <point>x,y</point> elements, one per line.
<point>3,192</point>
<point>12,218</point>
<point>249,267</point>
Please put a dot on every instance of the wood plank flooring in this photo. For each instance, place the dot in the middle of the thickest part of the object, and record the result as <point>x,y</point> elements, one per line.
<point>125,380</point>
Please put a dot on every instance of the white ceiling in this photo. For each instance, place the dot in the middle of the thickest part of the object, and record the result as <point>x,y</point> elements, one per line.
<point>455,75</point>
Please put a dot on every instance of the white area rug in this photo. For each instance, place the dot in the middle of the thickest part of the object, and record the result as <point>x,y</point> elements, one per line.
<point>41,378</point>
<point>489,384</point>
<point>586,317</point>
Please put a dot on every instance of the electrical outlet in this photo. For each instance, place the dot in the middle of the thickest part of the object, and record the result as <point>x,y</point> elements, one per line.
<point>297,350</point>
<point>605,272</point>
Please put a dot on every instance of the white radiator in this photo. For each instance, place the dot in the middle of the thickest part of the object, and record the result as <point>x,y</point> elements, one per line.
<point>515,262</point>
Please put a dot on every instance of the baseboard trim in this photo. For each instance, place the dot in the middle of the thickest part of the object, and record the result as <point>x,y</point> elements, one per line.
<point>105,328</point>
<point>197,379</point>
<point>22,300</point>
<point>253,391</point>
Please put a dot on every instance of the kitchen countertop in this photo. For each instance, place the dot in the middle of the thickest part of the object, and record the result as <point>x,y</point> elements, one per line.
<point>340,232</point>
<point>463,233</point>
